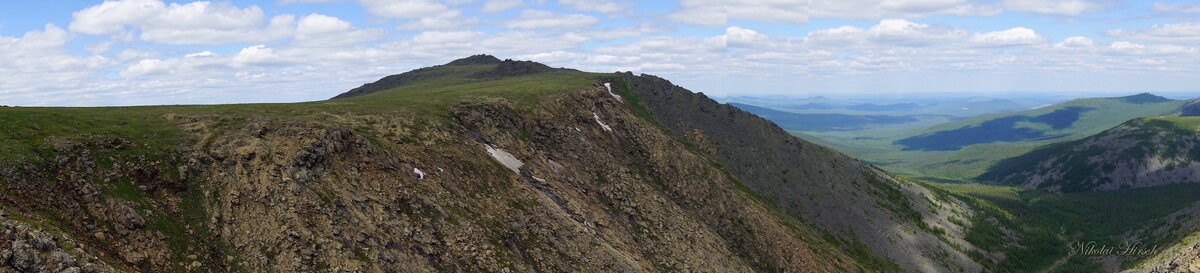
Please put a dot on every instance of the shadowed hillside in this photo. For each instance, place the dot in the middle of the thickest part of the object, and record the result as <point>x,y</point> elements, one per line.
<point>1140,153</point>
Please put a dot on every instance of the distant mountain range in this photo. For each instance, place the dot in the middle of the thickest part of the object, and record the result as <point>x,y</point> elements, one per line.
<point>955,107</point>
<point>1070,120</point>
<point>820,121</point>
<point>960,147</point>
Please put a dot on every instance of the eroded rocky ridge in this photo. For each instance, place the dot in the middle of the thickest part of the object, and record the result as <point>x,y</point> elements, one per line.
<point>259,194</point>
<point>896,219</point>
<point>661,180</point>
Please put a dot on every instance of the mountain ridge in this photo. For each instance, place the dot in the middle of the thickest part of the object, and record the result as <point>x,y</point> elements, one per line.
<point>481,166</point>
<point>1063,120</point>
<point>447,171</point>
<point>1142,152</point>
<point>486,67</point>
<point>755,155</point>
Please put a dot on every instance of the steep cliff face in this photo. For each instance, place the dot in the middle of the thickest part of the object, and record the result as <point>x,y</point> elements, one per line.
<point>859,204</point>
<point>545,171</point>
<point>1143,152</point>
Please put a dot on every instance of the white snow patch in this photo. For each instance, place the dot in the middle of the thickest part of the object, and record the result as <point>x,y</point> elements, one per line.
<point>420,174</point>
<point>609,86</point>
<point>577,129</point>
<point>538,179</point>
<point>441,170</point>
<point>597,117</point>
<point>505,158</point>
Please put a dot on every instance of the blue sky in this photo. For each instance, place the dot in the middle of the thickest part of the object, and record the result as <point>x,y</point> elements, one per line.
<point>137,52</point>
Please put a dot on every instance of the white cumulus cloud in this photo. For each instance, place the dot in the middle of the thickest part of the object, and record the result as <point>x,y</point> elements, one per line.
<point>1181,8</point>
<point>1060,7</point>
<point>1078,41</point>
<point>206,23</point>
<point>715,13</point>
<point>443,21</point>
<point>493,6</point>
<point>318,30</point>
<point>1185,32</point>
<point>540,19</point>
<point>905,9</point>
<point>605,6</point>
<point>271,57</point>
<point>902,32</point>
<point>1008,37</point>
<point>740,37</point>
<point>404,9</point>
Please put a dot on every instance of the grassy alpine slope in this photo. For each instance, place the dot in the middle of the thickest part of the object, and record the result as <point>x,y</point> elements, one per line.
<point>402,175</point>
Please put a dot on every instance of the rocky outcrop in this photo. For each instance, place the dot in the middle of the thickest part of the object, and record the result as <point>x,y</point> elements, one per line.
<point>302,196</point>
<point>475,60</point>
<point>1183,259</point>
<point>24,248</point>
<point>511,68</point>
<point>97,200</point>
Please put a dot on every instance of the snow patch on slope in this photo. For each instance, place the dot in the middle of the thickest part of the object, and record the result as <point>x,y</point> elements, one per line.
<point>420,174</point>
<point>597,117</point>
<point>505,158</point>
<point>609,87</point>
